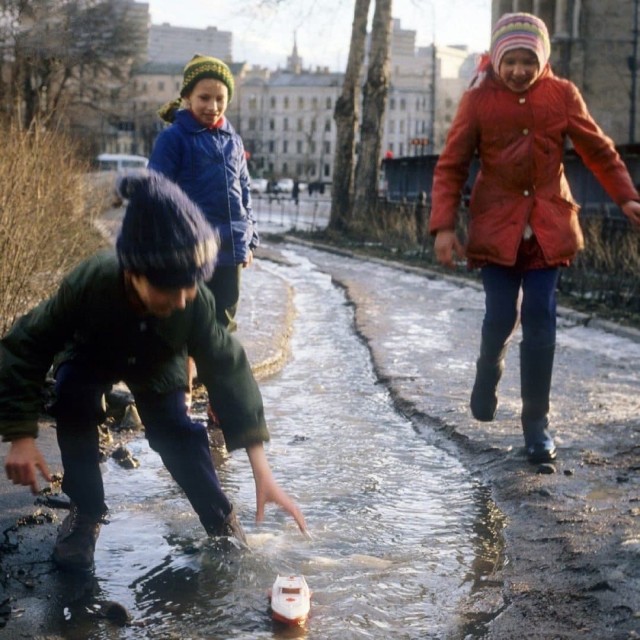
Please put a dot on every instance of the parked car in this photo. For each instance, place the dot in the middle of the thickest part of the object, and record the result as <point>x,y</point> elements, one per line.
<point>120,162</point>
<point>284,185</point>
<point>259,185</point>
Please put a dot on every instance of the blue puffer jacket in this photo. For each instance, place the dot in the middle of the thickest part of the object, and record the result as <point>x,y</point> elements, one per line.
<point>210,166</point>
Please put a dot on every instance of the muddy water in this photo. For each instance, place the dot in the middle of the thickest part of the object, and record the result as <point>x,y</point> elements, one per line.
<point>394,519</point>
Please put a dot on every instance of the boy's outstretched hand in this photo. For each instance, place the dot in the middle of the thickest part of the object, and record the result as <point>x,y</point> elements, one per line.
<point>268,490</point>
<point>22,461</point>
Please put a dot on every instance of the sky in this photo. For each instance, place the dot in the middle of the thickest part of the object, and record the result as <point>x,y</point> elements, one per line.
<point>264,35</point>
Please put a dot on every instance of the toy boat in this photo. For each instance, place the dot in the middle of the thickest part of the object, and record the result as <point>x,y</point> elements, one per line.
<point>290,599</point>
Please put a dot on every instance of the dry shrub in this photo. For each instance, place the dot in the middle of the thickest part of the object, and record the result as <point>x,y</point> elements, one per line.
<point>393,225</point>
<point>47,206</point>
<point>606,272</point>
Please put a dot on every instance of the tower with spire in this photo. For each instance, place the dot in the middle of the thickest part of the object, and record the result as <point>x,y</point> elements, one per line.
<point>294,61</point>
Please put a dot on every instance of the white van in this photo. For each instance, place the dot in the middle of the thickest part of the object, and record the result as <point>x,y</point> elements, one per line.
<point>120,162</point>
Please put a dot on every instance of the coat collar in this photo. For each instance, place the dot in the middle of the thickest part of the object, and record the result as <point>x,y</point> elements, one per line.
<point>185,119</point>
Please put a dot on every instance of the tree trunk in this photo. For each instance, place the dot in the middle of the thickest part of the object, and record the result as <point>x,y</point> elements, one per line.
<point>374,104</point>
<point>346,115</point>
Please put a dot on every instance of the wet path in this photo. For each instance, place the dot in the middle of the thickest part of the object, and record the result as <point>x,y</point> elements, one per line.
<point>393,517</point>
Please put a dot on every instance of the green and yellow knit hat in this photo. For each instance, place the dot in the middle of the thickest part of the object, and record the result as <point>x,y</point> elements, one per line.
<point>200,67</point>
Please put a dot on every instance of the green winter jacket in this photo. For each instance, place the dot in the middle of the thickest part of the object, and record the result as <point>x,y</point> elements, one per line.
<point>89,319</point>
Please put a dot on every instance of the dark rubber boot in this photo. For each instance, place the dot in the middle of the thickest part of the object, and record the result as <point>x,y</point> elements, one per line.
<point>536,366</point>
<point>230,529</point>
<point>76,541</point>
<point>484,395</point>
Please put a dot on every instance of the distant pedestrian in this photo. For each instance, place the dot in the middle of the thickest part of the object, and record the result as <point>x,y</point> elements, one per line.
<point>295,192</point>
<point>135,316</point>
<point>204,155</point>
<point>523,222</point>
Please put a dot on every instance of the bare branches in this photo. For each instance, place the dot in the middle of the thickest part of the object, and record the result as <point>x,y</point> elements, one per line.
<point>54,46</point>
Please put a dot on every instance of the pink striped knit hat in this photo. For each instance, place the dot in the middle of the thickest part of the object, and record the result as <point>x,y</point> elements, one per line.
<point>519,31</point>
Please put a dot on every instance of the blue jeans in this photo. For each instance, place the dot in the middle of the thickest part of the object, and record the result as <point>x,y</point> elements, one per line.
<point>513,296</point>
<point>182,444</point>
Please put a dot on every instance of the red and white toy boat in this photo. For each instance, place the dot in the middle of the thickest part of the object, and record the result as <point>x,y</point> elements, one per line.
<point>290,599</point>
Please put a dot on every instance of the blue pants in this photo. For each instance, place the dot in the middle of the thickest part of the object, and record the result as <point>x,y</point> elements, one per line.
<point>182,444</point>
<point>504,307</point>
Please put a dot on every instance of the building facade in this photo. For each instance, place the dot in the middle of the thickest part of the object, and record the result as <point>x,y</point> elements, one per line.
<point>594,43</point>
<point>285,117</point>
<point>179,44</point>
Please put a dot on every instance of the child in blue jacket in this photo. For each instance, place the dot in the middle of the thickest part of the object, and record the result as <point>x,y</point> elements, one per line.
<point>204,155</point>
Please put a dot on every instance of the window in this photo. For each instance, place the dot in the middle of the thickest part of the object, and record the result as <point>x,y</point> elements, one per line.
<point>285,168</point>
<point>286,102</point>
<point>327,125</point>
<point>299,146</point>
<point>312,146</point>
<point>285,124</point>
<point>327,170</point>
<point>392,126</point>
<point>253,103</point>
<point>401,123</point>
<point>327,146</point>
<point>273,102</point>
<point>314,102</point>
<point>300,125</point>
<point>401,149</point>
<point>272,146</point>
<point>252,124</point>
<point>314,125</point>
<point>329,103</point>
<point>403,104</point>
<point>300,102</point>
<point>285,146</point>
<point>392,104</point>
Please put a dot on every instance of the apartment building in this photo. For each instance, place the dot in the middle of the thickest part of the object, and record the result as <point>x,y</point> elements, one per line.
<point>178,44</point>
<point>285,116</point>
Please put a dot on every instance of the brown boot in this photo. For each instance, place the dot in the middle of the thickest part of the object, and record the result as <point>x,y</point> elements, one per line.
<point>76,541</point>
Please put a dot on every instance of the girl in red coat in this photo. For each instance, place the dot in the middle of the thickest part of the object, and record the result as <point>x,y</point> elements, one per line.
<point>523,221</point>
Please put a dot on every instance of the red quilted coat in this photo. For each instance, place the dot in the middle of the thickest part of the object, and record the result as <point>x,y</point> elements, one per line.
<point>520,139</point>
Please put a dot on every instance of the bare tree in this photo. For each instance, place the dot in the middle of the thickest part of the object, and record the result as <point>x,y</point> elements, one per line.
<point>58,54</point>
<point>346,115</point>
<point>374,102</point>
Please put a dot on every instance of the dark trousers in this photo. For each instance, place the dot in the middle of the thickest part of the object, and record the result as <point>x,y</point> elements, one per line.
<point>182,444</point>
<point>225,286</point>
<point>505,306</point>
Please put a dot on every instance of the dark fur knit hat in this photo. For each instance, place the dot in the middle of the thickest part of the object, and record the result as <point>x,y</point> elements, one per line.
<point>164,235</point>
